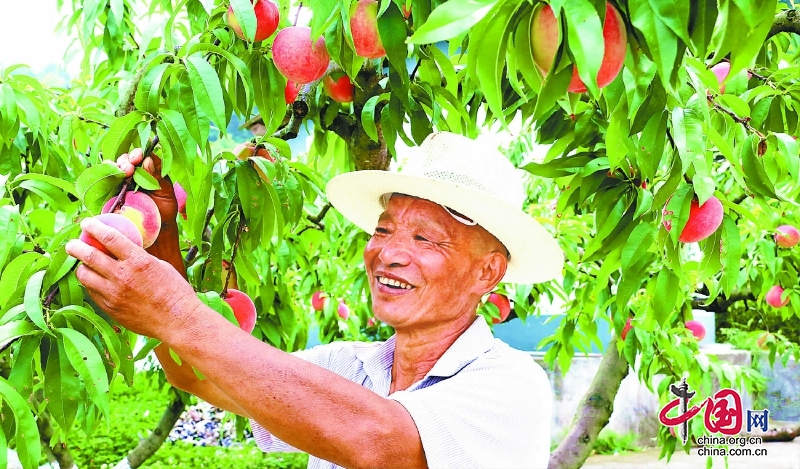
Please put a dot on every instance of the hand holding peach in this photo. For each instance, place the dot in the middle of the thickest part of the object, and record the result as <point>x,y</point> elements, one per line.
<point>144,294</point>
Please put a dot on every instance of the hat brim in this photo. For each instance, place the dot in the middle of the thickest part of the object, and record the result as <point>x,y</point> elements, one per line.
<point>535,255</point>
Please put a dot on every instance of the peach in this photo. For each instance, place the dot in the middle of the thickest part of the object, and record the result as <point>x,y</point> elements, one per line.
<point>703,221</point>
<point>291,91</point>
<point>721,71</point>
<point>502,303</point>
<point>248,149</point>
<point>119,223</point>
<point>243,309</point>
<point>364,26</point>
<point>180,196</point>
<point>764,339</point>
<point>267,19</point>
<point>343,310</point>
<point>297,58</point>
<point>626,329</point>
<point>371,322</point>
<point>340,90</point>
<point>318,300</point>
<point>142,211</point>
<point>546,37</point>
<point>697,328</point>
<point>774,297</point>
<point>787,236</point>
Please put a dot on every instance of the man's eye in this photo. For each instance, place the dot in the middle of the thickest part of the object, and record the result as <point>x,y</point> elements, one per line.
<point>420,238</point>
<point>381,230</point>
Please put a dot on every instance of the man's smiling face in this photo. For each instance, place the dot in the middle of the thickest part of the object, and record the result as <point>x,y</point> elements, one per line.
<point>424,266</point>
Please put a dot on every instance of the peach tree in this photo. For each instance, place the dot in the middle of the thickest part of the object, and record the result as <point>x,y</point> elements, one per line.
<point>671,160</point>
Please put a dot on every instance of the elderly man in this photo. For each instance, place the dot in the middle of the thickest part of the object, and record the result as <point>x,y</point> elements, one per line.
<point>441,393</point>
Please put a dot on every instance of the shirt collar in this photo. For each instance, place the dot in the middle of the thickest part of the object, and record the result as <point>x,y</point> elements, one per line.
<point>472,343</point>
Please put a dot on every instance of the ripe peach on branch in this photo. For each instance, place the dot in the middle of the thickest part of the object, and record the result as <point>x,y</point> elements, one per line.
<point>142,211</point>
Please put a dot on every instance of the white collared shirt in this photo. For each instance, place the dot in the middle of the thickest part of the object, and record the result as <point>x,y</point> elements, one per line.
<point>482,405</point>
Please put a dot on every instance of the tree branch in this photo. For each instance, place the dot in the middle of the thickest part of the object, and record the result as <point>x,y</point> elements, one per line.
<point>148,446</point>
<point>721,305</point>
<point>593,412</point>
<point>787,21</point>
<point>745,121</point>
<point>318,218</point>
<point>343,125</point>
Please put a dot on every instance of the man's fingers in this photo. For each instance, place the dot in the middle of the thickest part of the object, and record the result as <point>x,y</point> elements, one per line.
<point>113,240</point>
<point>136,156</point>
<point>91,279</point>
<point>89,255</point>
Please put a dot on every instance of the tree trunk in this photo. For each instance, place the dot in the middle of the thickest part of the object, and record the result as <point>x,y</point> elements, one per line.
<point>61,451</point>
<point>150,445</point>
<point>593,412</point>
<point>368,154</point>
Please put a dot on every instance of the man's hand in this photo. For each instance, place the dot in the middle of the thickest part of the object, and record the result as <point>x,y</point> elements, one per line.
<point>144,294</point>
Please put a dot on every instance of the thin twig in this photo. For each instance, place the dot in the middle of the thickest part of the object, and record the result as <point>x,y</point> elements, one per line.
<point>414,72</point>
<point>194,250</point>
<point>318,218</point>
<point>297,15</point>
<point>236,243</point>
<point>92,121</point>
<point>763,78</point>
<point>745,121</point>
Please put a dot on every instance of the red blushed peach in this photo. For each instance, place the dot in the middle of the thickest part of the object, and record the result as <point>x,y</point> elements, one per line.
<point>774,297</point>
<point>697,328</point>
<point>721,71</point>
<point>546,37</point>
<point>343,310</point>
<point>142,211</point>
<point>787,236</point>
<point>248,149</point>
<point>119,223</point>
<point>180,196</point>
<point>291,91</point>
<point>340,90</point>
<point>502,303</point>
<point>243,309</point>
<point>297,58</point>
<point>267,19</point>
<point>364,26</point>
<point>318,300</point>
<point>703,221</point>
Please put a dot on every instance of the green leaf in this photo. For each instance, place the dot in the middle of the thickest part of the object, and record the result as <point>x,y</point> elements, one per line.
<point>269,97</point>
<point>33,300</point>
<point>27,433</point>
<point>62,387</point>
<point>119,136</point>
<point>489,63</point>
<point>148,93</point>
<point>666,294</point>
<point>754,173</point>
<point>96,185</point>
<point>9,227</point>
<point>731,254</point>
<point>687,132</point>
<point>678,210</point>
<point>245,14</point>
<point>368,117</point>
<point>392,30</point>
<point>675,15</point>
<point>145,180</point>
<point>207,90</point>
<point>184,148</point>
<point>83,356</point>
<point>585,39</point>
<point>639,242</point>
<point>617,135</point>
<point>9,123</point>
<point>451,19</point>
<point>61,184</point>
<point>14,329</point>
<point>197,122</point>
<point>661,41</point>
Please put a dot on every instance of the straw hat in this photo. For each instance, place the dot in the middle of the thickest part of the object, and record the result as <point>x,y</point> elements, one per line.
<point>469,178</point>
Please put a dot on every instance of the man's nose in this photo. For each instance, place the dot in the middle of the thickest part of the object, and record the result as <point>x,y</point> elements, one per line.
<point>395,251</point>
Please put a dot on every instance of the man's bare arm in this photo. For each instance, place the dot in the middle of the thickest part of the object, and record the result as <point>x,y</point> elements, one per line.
<point>306,406</point>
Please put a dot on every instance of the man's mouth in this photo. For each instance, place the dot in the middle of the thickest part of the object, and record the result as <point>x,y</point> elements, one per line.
<point>395,284</point>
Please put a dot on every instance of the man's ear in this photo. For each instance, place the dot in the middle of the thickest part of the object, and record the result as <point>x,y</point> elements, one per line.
<point>492,270</point>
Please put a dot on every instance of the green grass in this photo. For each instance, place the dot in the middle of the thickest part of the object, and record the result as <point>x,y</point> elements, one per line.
<point>135,412</point>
